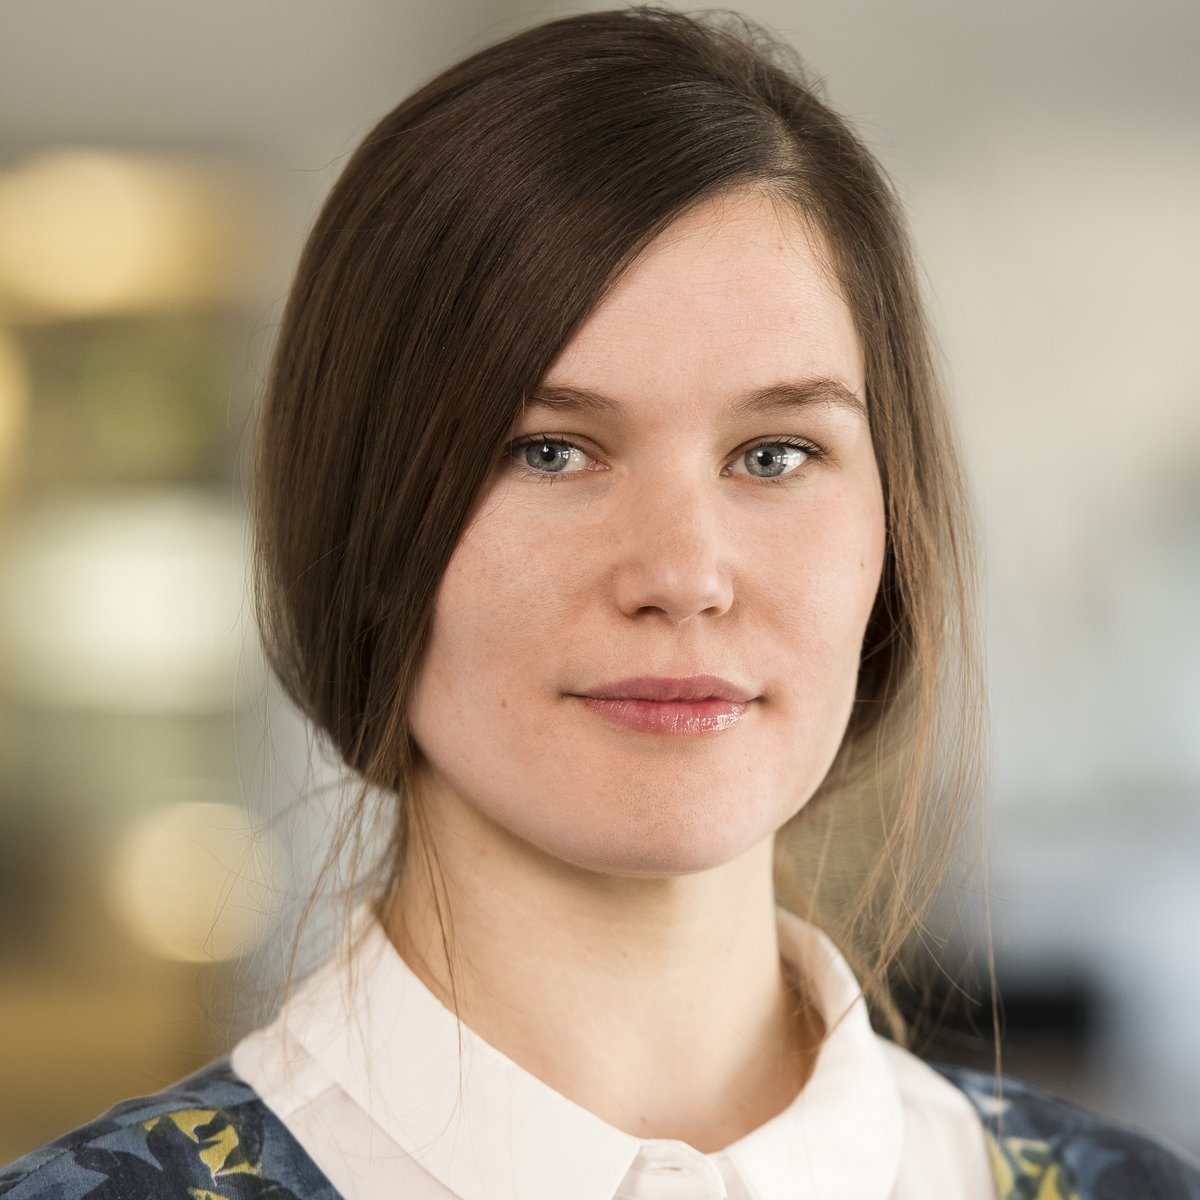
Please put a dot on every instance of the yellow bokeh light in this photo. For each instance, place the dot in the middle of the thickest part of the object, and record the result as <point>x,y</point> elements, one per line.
<point>195,881</point>
<point>84,232</point>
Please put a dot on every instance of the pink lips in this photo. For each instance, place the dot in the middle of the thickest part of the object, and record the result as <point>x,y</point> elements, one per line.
<point>652,704</point>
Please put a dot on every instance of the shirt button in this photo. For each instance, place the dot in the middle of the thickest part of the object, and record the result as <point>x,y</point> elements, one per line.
<point>669,1170</point>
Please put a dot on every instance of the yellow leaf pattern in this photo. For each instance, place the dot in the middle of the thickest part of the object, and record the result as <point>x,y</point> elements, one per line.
<point>1026,1169</point>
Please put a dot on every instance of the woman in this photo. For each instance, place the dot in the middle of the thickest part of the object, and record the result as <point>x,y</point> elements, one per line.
<point>609,526</point>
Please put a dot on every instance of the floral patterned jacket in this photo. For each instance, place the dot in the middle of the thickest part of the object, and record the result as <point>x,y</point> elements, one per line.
<point>210,1137</point>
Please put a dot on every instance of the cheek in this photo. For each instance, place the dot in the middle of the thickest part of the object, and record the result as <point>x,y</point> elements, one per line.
<point>493,613</point>
<point>822,594</point>
<point>838,547</point>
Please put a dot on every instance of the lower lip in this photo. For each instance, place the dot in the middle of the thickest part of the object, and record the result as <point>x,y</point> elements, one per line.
<point>668,716</point>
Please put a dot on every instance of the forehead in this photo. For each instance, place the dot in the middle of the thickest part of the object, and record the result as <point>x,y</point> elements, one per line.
<point>737,293</point>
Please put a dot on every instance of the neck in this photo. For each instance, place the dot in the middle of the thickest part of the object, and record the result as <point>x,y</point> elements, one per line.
<point>658,1004</point>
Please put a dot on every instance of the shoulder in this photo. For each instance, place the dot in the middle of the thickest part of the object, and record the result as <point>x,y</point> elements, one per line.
<point>1046,1147</point>
<point>208,1135</point>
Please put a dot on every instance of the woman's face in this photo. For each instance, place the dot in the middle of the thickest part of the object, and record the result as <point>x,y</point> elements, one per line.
<point>666,533</point>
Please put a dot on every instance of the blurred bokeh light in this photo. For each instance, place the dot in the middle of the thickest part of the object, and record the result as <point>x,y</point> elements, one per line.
<point>132,875</point>
<point>195,881</point>
<point>85,232</point>
<point>126,603</point>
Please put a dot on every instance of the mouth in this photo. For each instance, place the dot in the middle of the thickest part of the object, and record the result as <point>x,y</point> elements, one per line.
<point>650,704</point>
<point>665,689</point>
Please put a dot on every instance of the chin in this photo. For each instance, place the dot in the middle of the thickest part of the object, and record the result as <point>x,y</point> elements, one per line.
<point>658,844</point>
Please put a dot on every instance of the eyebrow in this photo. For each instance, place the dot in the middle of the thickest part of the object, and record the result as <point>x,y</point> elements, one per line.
<point>765,401</point>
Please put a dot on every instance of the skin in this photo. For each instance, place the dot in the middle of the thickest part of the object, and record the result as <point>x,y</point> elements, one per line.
<point>605,885</point>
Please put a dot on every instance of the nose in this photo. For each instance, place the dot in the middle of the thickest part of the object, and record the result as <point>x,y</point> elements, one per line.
<point>674,552</point>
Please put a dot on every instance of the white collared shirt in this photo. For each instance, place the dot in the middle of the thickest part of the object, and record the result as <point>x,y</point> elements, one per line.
<point>362,1067</point>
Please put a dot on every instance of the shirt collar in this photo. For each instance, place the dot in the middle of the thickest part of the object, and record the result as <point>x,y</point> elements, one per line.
<point>394,1048</point>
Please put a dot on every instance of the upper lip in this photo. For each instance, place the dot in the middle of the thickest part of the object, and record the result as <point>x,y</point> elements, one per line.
<point>658,687</point>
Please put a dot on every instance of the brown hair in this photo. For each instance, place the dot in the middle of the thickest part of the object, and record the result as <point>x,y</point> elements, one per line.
<point>470,234</point>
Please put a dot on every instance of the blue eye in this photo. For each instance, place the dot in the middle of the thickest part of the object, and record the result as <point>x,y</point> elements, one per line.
<point>789,454</point>
<point>543,457</point>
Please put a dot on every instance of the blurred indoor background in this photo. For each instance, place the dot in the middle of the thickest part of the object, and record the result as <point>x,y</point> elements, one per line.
<point>159,168</point>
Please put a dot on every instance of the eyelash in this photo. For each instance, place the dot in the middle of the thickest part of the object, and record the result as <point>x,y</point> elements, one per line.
<point>814,452</point>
